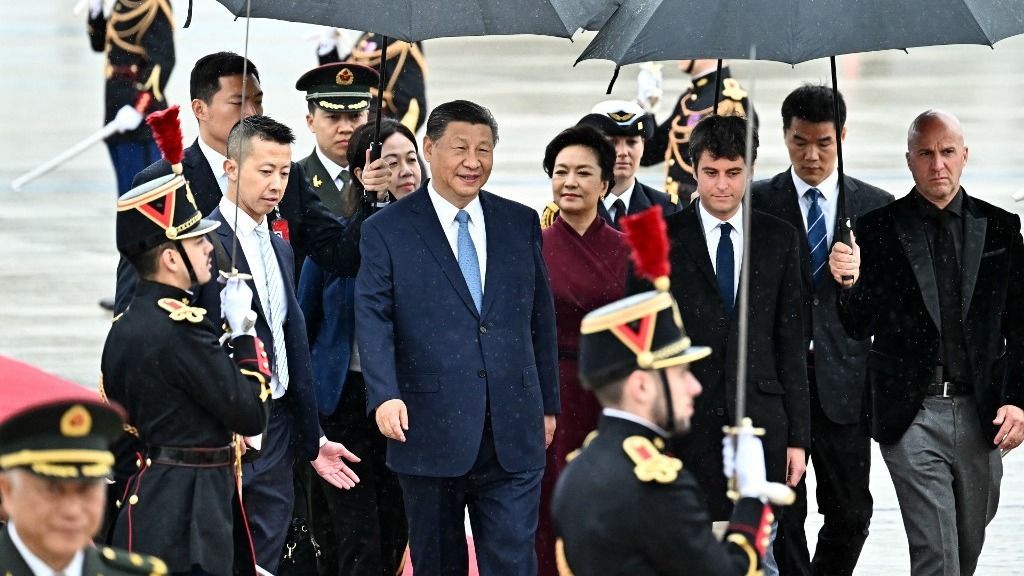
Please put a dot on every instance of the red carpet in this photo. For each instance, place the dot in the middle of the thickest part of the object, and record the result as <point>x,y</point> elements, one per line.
<point>472,560</point>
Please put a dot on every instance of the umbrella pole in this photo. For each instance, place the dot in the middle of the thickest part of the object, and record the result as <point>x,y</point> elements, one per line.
<point>743,300</point>
<point>845,228</point>
<point>718,86</point>
<point>376,145</point>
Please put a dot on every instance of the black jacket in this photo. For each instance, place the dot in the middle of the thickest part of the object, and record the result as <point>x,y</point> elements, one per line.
<point>643,197</point>
<point>777,397</point>
<point>181,390</point>
<point>839,361</point>
<point>896,301</point>
<point>313,230</point>
<point>611,523</point>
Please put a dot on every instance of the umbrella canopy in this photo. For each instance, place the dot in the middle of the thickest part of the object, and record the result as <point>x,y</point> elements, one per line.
<point>415,20</point>
<point>794,31</point>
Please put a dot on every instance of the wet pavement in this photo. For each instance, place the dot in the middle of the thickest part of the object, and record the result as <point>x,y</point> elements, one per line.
<point>57,256</point>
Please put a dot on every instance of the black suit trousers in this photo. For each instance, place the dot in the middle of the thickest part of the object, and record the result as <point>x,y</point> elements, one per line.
<point>362,531</point>
<point>841,455</point>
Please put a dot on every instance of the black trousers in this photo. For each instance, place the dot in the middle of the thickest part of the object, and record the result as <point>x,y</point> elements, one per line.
<point>841,456</point>
<point>361,531</point>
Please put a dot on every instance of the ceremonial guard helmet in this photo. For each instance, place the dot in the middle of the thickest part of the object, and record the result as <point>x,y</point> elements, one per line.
<point>620,118</point>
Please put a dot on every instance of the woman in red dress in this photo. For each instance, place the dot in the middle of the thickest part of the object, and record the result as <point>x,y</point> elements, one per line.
<point>587,261</point>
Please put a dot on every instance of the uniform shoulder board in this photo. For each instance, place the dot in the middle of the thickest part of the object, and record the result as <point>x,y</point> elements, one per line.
<point>650,464</point>
<point>180,311</point>
<point>732,90</point>
<point>131,563</point>
<point>586,442</point>
<point>547,217</point>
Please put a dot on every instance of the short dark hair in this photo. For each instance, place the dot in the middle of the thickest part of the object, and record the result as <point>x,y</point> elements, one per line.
<point>263,127</point>
<point>721,137</point>
<point>206,74</point>
<point>588,137</point>
<point>362,138</point>
<point>813,103</point>
<point>146,263</point>
<point>459,111</point>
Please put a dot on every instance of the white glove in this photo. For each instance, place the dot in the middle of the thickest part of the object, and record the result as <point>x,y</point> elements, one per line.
<point>95,8</point>
<point>236,307</point>
<point>328,41</point>
<point>648,86</point>
<point>128,118</point>
<point>746,461</point>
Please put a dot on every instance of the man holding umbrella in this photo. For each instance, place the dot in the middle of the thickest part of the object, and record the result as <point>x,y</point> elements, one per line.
<point>807,196</point>
<point>937,280</point>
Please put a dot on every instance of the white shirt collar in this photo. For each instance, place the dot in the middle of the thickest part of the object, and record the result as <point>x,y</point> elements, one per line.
<point>829,187</point>
<point>245,222</point>
<point>446,211</point>
<point>37,566</point>
<point>626,196</point>
<point>616,413</point>
<point>333,168</point>
<point>709,222</point>
<point>216,159</point>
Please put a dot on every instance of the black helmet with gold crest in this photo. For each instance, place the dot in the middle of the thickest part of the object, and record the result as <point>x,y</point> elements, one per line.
<point>640,332</point>
<point>52,427</point>
<point>163,209</point>
<point>339,87</point>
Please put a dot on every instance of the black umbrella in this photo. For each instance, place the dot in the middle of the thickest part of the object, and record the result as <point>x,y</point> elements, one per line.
<point>416,20</point>
<point>794,31</point>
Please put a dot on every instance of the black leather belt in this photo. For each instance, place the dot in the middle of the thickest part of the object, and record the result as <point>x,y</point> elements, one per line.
<point>193,457</point>
<point>948,389</point>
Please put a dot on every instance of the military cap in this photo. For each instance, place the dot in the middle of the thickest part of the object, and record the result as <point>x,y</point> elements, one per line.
<point>158,211</point>
<point>644,331</point>
<point>52,427</point>
<point>339,87</point>
<point>620,118</point>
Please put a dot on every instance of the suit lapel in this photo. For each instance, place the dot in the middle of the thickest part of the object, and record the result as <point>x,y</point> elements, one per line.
<point>202,182</point>
<point>497,227</point>
<point>915,246</point>
<point>227,237</point>
<point>603,213</point>
<point>639,201</point>
<point>691,237</point>
<point>789,209</point>
<point>974,244</point>
<point>429,229</point>
<point>323,184</point>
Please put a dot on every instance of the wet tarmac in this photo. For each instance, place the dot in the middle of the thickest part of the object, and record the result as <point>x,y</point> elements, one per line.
<point>57,255</point>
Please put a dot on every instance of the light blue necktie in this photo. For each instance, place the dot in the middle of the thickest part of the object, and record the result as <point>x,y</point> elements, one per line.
<point>275,308</point>
<point>468,262</point>
<point>816,235</point>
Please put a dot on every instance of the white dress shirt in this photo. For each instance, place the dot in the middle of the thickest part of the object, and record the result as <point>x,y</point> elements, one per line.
<point>616,413</point>
<point>250,246</point>
<point>829,189</point>
<point>626,196</point>
<point>334,169</point>
<point>216,161</point>
<point>446,212</point>
<point>37,566</point>
<point>713,234</point>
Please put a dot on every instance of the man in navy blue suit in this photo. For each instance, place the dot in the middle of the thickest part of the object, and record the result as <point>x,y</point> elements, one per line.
<point>258,167</point>
<point>457,339</point>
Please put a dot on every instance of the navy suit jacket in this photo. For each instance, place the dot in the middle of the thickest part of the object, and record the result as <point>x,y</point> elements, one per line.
<point>422,340</point>
<point>300,400</point>
<point>328,303</point>
<point>643,197</point>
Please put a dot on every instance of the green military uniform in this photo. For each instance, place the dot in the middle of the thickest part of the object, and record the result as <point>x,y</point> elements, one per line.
<point>671,141</point>
<point>58,430</point>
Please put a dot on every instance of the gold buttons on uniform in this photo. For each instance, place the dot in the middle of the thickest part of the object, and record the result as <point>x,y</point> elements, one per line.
<point>133,500</point>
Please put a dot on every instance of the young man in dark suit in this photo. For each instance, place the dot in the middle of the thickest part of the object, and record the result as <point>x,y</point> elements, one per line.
<point>456,333</point>
<point>807,197</point>
<point>706,253</point>
<point>308,226</point>
<point>258,171</point>
<point>937,280</point>
<point>627,128</point>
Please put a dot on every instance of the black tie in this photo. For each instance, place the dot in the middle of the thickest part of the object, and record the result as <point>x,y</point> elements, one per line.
<point>952,353</point>
<point>620,211</point>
